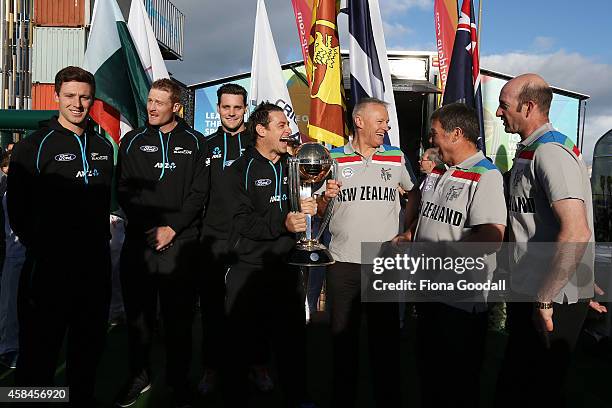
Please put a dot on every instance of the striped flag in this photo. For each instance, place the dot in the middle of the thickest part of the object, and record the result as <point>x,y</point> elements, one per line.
<point>267,81</point>
<point>463,84</point>
<point>145,42</point>
<point>370,74</point>
<point>327,109</point>
<point>122,85</point>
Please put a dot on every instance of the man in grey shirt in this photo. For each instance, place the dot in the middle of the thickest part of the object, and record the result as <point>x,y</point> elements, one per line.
<point>366,210</point>
<point>549,201</point>
<point>464,203</point>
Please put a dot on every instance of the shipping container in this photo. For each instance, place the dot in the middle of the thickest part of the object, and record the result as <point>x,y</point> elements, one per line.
<point>43,97</point>
<point>60,13</point>
<point>55,48</point>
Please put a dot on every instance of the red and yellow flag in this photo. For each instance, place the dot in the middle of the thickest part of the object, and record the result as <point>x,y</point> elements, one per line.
<point>327,109</point>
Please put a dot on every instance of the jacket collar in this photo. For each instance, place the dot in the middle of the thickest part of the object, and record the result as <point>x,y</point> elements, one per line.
<point>53,123</point>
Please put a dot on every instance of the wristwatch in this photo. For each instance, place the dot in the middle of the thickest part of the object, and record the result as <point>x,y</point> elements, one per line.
<point>543,305</point>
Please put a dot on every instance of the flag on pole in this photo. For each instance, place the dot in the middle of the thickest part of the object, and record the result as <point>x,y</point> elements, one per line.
<point>121,82</point>
<point>370,74</point>
<point>326,121</point>
<point>445,20</point>
<point>463,84</point>
<point>303,20</point>
<point>145,42</point>
<point>267,81</point>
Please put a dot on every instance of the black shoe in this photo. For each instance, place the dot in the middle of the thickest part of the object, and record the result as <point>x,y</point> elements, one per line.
<point>9,359</point>
<point>133,389</point>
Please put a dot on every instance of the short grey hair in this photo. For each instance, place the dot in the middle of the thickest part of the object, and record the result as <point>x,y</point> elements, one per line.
<point>359,107</point>
<point>434,155</point>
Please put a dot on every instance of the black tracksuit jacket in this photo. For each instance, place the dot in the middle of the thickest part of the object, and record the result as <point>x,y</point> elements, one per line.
<point>260,190</point>
<point>59,187</point>
<point>222,150</point>
<point>162,179</point>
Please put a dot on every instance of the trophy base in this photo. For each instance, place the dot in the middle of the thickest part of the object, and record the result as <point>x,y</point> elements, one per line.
<point>310,253</point>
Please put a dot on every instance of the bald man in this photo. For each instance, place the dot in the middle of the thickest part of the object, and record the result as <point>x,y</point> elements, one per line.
<point>549,201</point>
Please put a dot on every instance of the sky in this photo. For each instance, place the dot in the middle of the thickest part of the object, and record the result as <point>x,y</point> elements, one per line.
<point>568,43</point>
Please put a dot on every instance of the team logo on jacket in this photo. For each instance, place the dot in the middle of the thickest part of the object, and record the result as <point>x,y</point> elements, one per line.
<point>429,184</point>
<point>98,156</point>
<point>385,174</point>
<point>180,150</point>
<point>90,173</point>
<point>64,157</point>
<point>216,153</point>
<point>170,166</point>
<point>518,176</point>
<point>228,163</point>
<point>453,193</point>
<point>149,149</point>
<point>277,198</point>
<point>263,182</point>
<point>347,172</point>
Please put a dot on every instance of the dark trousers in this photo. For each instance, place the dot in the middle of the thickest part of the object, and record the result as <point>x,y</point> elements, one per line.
<point>146,276</point>
<point>533,372</point>
<point>64,292</point>
<point>211,288</point>
<point>265,301</point>
<point>450,352</point>
<point>344,296</point>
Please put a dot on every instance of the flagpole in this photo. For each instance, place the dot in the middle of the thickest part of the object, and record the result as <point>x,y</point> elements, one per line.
<point>479,26</point>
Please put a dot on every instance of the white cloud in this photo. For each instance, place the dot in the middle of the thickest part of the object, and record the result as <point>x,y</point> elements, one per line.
<point>571,71</point>
<point>394,30</point>
<point>394,6</point>
<point>219,40</point>
<point>543,43</point>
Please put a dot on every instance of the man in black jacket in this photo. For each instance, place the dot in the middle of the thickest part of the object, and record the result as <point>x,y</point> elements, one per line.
<point>224,147</point>
<point>58,204</point>
<point>264,294</point>
<point>162,188</point>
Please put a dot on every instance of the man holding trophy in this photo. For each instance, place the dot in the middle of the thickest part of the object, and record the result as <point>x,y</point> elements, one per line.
<point>263,292</point>
<point>365,210</point>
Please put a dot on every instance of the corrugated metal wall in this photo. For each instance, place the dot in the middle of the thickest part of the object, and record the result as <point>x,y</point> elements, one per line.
<point>60,13</point>
<point>43,97</point>
<point>167,22</point>
<point>55,48</point>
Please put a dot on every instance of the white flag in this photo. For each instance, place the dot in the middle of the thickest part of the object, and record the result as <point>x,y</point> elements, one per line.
<point>267,81</point>
<point>145,42</point>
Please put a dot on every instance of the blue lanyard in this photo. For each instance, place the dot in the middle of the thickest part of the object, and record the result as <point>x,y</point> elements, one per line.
<point>278,180</point>
<point>164,152</point>
<point>83,155</point>
<point>225,148</point>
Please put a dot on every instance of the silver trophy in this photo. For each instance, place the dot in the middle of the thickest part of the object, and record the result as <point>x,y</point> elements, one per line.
<point>310,164</point>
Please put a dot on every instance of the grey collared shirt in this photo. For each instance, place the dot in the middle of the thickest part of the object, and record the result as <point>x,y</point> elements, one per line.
<point>547,168</point>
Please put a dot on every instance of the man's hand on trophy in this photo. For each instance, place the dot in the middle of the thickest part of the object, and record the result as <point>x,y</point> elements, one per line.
<point>295,222</point>
<point>308,206</point>
<point>332,189</point>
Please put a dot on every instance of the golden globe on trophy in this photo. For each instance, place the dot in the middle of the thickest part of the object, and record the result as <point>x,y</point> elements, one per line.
<point>311,164</point>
